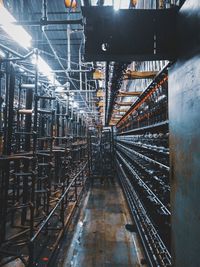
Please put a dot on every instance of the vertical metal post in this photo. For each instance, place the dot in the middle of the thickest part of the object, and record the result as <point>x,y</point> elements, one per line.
<point>1,102</point>
<point>68,47</point>
<point>28,118</point>
<point>80,67</point>
<point>35,105</point>
<point>58,111</point>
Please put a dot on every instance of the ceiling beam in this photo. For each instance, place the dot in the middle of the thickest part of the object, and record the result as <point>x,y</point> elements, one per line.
<point>61,29</point>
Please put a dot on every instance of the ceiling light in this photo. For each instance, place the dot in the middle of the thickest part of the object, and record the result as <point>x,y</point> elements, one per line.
<point>19,35</point>
<point>16,32</point>
<point>46,70</point>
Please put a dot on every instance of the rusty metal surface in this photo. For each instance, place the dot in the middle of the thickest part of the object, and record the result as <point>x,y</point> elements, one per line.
<point>184,99</point>
<point>100,239</point>
<point>184,123</point>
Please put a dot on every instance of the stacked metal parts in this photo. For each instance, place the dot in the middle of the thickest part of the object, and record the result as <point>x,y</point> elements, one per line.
<point>43,165</point>
<point>101,149</point>
<point>142,157</point>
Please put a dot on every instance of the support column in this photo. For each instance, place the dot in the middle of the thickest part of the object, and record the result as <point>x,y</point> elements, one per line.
<point>184,123</point>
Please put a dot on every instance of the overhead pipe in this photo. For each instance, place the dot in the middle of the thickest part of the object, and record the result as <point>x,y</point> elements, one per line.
<point>18,56</point>
<point>49,22</point>
<point>56,56</point>
<point>62,71</point>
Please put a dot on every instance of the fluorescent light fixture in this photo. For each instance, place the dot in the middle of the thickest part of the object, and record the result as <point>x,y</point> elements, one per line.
<point>16,32</point>
<point>45,69</point>
<point>19,35</point>
<point>116,5</point>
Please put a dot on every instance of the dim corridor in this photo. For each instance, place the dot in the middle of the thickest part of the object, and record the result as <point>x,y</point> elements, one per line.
<point>100,238</point>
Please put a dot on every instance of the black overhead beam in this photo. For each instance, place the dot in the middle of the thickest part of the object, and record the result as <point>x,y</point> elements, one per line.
<point>56,13</point>
<point>60,39</point>
<point>61,44</point>
<point>131,34</point>
<point>59,30</point>
<point>49,22</point>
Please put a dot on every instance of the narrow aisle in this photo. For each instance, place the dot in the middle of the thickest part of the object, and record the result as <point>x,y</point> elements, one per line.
<point>100,238</point>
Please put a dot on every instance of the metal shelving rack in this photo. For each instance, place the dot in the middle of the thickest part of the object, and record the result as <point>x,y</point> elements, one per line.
<point>142,162</point>
<point>43,166</point>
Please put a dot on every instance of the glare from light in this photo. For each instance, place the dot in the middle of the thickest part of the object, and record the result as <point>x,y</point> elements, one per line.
<point>22,70</point>
<point>100,83</point>
<point>93,3</point>
<point>46,70</point>
<point>75,105</point>
<point>125,4</point>
<point>116,5</point>
<point>108,2</point>
<point>65,97</point>
<point>59,89</point>
<point>16,32</point>
<point>2,54</point>
<point>19,35</point>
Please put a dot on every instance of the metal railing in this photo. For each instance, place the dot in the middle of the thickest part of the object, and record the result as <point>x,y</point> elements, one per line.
<point>44,224</point>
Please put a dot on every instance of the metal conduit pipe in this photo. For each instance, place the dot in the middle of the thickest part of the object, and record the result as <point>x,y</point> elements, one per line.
<point>68,48</point>
<point>56,56</point>
<point>18,56</point>
<point>80,69</point>
<point>44,11</point>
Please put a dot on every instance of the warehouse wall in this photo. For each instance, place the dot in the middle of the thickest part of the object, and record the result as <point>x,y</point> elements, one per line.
<point>184,117</point>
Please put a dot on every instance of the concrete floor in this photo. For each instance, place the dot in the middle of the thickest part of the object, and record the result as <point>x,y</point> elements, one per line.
<point>100,238</point>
